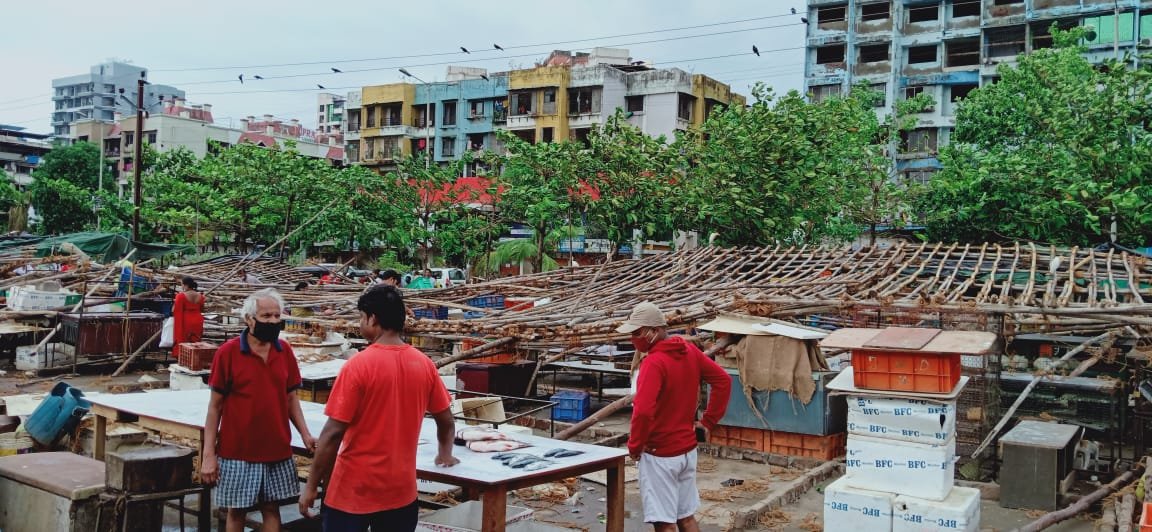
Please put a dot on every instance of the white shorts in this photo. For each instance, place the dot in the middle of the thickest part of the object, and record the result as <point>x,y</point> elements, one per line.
<point>668,487</point>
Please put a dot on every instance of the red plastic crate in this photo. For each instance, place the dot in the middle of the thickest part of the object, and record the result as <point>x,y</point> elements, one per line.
<point>905,371</point>
<point>196,356</point>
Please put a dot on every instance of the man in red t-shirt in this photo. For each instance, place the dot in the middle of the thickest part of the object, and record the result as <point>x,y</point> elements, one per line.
<point>247,446</point>
<point>366,455</point>
<point>663,433</point>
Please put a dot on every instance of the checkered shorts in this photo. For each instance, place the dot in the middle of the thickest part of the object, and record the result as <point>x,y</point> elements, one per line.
<point>246,484</point>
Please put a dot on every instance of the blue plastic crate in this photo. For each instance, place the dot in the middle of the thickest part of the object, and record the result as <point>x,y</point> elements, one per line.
<point>431,313</point>
<point>571,405</point>
<point>493,301</point>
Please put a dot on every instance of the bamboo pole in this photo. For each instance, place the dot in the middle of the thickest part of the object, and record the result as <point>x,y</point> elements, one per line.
<point>1083,504</point>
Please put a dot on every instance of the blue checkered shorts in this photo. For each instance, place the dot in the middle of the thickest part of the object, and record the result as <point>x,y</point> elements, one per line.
<point>246,484</point>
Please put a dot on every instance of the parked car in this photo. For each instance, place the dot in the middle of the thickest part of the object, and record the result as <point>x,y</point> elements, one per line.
<point>319,270</point>
<point>442,277</point>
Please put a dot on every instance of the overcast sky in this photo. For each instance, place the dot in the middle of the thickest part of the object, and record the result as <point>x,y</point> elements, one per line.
<point>181,44</point>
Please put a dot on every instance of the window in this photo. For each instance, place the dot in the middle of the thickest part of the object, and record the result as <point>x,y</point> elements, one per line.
<point>522,103</point>
<point>371,116</point>
<point>962,52</point>
<point>150,137</point>
<point>129,138</point>
<point>548,134</point>
<point>918,14</point>
<point>580,135</point>
<point>965,8</point>
<point>1042,34</point>
<point>1106,29</point>
<point>354,151</point>
<point>448,147</point>
<point>922,54</point>
<point>960,91</point>
<point>919,140</point>
<point>476,108</point>
<point>526,135</point>
<point>912,92</point>
<point>826,55</point>
<point>82,138</point>
<point>873,53</point>
<point>823,92</point>
<point>919,176</point>
<point>476,142</point>
<point>882,97</point>
<point>1006,42</point>
<point>583,101</point>
<point>831,15</point>
<point>634,104</point>
<point>449,113</point>
<point>871,12</point>
<point>456,275</point>
<point>684,107</point>
<point>549,102</point>
<point>321,109</point>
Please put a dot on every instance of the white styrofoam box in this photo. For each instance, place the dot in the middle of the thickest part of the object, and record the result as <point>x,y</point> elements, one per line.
<point>848,508</point>
<point>467,517</point>
<point>901,467</point>
<point>960,511</point>
<point>183,380</point>
<point>973,361</point>
<point>29,298</point>
<point>52,355</point>
<point>913,420</point>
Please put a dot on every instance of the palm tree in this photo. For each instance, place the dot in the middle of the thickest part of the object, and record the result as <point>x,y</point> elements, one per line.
<point>523,250</point>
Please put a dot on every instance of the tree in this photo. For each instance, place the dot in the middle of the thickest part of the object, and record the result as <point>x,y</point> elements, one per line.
<point>629,182</point>
<point>783,170</point>
<point>1057,150</point>
<point>64,187</point>
<point>538,187</point>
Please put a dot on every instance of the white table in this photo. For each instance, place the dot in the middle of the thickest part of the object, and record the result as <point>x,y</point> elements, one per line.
<point>182,413</point>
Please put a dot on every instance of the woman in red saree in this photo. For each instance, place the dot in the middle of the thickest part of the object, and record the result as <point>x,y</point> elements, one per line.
<point>187,316</point>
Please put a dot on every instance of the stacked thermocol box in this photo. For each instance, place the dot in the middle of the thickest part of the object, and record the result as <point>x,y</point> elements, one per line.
<point>901,457</point>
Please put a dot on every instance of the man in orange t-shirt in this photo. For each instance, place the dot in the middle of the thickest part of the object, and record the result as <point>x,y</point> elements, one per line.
<point>366,455</point>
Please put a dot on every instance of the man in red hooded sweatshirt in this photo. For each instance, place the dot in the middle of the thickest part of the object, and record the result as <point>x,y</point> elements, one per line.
<point>663,439</point>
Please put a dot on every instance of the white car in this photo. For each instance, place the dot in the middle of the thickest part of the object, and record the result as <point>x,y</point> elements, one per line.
<point>442,277</point>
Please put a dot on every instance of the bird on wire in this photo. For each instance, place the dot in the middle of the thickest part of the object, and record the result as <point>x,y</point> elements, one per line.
<point>497,46</point>
<point>241,78</point>
<point>465,50</point>
<point>319,85</point>
<point>337,70</point>
<point>755,50</point>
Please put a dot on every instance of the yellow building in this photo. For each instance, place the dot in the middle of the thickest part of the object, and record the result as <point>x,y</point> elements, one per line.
<point>538,103</point>
<point>388,120</point>
<point>709,94</point>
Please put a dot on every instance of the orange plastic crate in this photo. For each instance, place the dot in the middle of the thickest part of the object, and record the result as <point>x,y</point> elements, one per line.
<point>506,357</point>
<point>196,356</point>
<point>1146,518</point>
<point>905,371</point>
<point>740,437</point>
<point>827,447</point>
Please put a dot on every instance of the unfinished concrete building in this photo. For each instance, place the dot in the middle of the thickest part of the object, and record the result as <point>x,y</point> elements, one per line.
<point>947,48</point>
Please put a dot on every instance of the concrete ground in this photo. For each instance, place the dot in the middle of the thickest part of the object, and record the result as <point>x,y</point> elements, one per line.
<point>717,506</point>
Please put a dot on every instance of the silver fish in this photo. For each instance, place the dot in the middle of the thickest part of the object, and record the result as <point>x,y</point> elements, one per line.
<point>539,464</point>
<point>523,461</point>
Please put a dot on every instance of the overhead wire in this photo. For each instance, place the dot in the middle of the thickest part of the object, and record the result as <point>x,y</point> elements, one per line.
<point>477,49</point>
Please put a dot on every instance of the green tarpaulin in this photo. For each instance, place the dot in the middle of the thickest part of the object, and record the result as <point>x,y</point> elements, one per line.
<point>102,247</point>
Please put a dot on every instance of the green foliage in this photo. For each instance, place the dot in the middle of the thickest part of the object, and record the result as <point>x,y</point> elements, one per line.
<point>64,187</point>
<point>540,186</point>
<point>1053,152</point>
<point>785,170</point>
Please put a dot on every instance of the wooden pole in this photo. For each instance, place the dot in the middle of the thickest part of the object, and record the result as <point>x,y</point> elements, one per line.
<point>474,352</point>
<point>1084,503</point>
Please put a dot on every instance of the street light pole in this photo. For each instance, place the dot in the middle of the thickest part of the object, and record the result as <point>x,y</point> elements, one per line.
<point>137,158</point>
<point>427,122</point>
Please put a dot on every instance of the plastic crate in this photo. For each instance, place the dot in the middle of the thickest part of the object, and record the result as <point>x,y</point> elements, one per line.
<point>489,301</point>
<point>827,447</point>
<point>473,314</point>
<point>519,303</point>
<point>571,405</point>
<point>196,356</point>
<point>498,357</point>
<point>741,437</point>
<point>431,313</point>
<point>906,371</point>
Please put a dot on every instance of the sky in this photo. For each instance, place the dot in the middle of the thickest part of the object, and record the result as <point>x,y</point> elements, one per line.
<point>202,47</point>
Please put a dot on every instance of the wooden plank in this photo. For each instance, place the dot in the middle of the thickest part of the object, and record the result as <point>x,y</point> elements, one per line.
<point>906,338</point>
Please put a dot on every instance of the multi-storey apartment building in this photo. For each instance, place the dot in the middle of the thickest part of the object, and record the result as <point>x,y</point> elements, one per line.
<point>97,94</point>
<point>330,117</point>
<point>947,48</point>
<point>559,99</point>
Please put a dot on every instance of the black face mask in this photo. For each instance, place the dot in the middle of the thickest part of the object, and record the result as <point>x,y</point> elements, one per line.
<point>267,332</point>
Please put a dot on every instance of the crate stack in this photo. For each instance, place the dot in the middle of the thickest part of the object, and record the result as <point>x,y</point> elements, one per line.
<point>902,413</point>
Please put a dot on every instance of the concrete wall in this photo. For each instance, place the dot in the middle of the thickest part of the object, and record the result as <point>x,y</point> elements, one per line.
<point>659,116</point>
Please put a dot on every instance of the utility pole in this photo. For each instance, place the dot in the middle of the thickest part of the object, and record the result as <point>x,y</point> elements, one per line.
<point>137,158</point>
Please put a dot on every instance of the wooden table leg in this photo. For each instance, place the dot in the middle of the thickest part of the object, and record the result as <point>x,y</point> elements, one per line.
<point>204,514</point>
<point>615,512</point>
<point>101,437</point>
<point>495,508</point>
